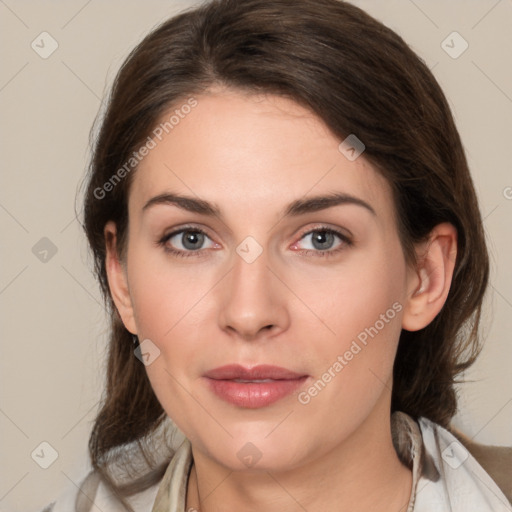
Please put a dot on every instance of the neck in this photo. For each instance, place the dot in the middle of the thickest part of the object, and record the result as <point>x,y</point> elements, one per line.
<point>362,473</point>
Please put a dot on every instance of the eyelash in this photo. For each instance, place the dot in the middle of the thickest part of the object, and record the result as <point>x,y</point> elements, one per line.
<point>346,242</point>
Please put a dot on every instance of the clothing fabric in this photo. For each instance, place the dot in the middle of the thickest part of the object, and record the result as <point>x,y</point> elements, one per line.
<point>446,477</point>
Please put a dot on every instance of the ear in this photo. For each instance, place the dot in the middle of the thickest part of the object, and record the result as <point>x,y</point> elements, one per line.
<point>117,279</point>
<point>429,282</point>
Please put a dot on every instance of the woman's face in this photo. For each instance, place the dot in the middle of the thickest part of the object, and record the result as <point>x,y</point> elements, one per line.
<point>273,277</point>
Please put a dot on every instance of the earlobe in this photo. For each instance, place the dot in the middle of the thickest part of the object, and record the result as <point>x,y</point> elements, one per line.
<point>431,280</point>
<point>117,279</point>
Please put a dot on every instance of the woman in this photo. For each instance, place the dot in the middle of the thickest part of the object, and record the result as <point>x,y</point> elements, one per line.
<point>289,242</point>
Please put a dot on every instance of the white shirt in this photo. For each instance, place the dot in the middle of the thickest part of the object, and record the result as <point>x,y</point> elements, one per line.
<point>446,477</point>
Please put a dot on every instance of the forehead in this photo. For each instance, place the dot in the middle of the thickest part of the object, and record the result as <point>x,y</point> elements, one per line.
<point>252,153</point>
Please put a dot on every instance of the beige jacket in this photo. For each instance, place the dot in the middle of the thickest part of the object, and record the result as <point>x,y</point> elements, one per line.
<point>450,474</point>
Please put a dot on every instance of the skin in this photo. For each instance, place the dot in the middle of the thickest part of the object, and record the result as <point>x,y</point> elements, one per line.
<point>292,306</point>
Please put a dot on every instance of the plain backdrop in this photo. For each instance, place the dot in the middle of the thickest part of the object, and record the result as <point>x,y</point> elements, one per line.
<point>53,328</point>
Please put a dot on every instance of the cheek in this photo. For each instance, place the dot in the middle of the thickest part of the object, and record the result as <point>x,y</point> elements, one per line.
<point>169,312</point>
<point>362,308</point>
<point>173,309</point>
<point>354,362</point>
<point>356,295</point>
<point>164,292</point>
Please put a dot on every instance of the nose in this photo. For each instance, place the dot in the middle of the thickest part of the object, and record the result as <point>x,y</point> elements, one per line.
<point>253,303</point>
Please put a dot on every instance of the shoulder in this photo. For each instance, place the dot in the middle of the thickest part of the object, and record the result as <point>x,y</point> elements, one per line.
<point>496,460</point>
<point>452,477</point>
<point>92,495</point>
<point>147,466</point>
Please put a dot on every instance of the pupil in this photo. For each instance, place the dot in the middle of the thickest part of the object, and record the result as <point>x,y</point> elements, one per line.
<point>323,238</point>
<point>191,238</point>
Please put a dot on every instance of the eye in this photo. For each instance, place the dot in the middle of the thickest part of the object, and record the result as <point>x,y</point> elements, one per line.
<point>189,241</point>
<point>186,241</point>
<point>323,242</point>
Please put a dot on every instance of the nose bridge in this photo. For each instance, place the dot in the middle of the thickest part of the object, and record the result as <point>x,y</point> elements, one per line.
<point>251,299</point>
<point>250,270</point>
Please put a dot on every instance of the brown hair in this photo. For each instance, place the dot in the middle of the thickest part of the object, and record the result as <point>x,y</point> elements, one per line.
<point>359,77</point>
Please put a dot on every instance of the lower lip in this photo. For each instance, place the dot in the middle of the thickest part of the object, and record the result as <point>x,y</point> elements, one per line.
<point>254,395</point>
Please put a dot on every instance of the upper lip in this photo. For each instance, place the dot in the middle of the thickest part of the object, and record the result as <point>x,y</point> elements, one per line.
<point>259,372</point>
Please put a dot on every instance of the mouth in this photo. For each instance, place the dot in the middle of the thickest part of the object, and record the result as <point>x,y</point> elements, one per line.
<point>255,387</point>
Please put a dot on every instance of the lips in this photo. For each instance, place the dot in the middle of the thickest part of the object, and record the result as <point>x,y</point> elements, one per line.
<point>260,372</point>
<point>253,387</point>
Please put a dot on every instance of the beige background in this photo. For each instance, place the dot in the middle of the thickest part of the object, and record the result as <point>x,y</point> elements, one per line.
<point>53,327</point>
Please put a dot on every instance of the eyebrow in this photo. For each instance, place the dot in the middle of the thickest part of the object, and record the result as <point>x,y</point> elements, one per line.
<point>296,208</point>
